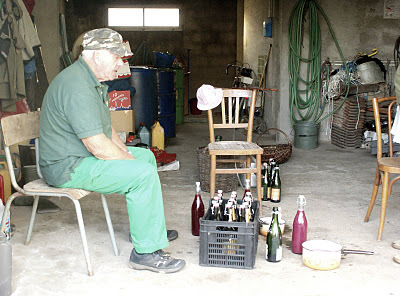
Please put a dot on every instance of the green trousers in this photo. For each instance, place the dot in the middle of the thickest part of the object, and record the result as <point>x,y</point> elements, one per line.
<point>138,180</point>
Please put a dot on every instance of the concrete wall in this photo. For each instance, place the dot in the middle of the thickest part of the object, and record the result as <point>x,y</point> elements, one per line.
<point>209,32</point>
<point>359,27</point>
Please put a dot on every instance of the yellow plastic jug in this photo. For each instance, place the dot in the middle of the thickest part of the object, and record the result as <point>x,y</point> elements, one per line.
<point>6,179</point>
<point>157,135</point>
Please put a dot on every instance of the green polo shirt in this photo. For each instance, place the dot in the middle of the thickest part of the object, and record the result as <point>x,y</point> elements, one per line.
<point>75,106</point>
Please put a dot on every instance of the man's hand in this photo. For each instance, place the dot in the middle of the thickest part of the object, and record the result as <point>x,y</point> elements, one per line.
<point>103,148</point>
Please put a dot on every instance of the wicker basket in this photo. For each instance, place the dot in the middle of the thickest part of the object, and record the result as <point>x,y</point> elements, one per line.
<point>279,152</point>
<point>224,182</point>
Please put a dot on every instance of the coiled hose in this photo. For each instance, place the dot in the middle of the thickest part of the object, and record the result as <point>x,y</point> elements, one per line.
<point>305,101</point>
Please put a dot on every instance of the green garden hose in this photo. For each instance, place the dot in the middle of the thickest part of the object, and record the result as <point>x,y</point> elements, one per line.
<point>305,100</point>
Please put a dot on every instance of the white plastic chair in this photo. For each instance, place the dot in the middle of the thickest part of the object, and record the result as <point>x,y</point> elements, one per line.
<point>23,127</point>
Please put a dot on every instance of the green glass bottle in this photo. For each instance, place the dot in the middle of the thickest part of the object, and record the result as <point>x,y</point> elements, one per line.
<point>276,185</point>
<point>273,247</point>
<point>264,183</point>
<point>271,167</point>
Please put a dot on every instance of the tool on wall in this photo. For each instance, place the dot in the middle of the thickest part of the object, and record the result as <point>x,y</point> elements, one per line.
<point>263,79</point>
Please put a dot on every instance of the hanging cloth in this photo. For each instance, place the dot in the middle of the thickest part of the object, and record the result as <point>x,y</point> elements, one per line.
<point>12,82</point>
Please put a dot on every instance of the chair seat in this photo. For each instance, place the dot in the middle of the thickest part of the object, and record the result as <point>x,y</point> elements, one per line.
<point>234,148</point>
<point>40,186</point>
<point>389,164</point>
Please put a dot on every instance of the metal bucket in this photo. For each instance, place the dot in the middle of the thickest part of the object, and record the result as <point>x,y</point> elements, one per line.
<point>306,134</point>
<point>370,73</point>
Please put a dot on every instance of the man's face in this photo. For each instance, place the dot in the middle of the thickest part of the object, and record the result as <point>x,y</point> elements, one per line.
<point>108,64</point>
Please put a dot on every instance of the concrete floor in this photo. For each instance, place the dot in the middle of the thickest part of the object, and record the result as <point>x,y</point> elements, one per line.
<point>336,182</point>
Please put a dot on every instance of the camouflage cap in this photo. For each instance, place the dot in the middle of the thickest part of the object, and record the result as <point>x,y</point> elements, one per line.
<point>105,38</point>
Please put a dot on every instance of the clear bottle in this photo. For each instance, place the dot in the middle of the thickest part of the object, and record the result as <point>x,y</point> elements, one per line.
<point>276,185</point>
<point>197,211</point>
<point>273,247</point>
<point>247,188</point>
<point>299,233</point>
<point>144,134</point>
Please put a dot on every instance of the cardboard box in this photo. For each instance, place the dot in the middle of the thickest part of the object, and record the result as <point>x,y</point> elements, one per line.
<point>123,121</point>
<point>119,100</point>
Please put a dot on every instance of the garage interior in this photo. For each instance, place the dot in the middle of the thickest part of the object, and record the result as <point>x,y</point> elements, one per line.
<point>336,177</point>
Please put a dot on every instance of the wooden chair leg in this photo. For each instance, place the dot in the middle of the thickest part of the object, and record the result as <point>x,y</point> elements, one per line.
<point>212,175</point>
<point>248,165</point>
<point>259,197</point>
<point>385,185</point>
<point>377,181</point>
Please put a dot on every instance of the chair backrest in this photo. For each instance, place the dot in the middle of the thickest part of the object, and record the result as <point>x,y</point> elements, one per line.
<point>20,127</point>
<point>377,112</point>
<point>231,107</point>
<point>16,129</point>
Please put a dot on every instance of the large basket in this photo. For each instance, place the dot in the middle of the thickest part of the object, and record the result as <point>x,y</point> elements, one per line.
<point>279,152</point>
<point>224,182</point>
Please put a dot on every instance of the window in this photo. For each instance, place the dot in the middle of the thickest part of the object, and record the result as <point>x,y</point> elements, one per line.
<point>143,18</point>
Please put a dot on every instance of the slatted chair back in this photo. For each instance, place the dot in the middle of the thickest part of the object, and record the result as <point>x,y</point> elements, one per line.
<point>377,116</point>
<point>231,106</point>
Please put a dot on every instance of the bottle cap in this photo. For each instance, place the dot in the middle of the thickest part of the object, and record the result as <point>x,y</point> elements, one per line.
<point>301,200</point>
<point>197,183</point>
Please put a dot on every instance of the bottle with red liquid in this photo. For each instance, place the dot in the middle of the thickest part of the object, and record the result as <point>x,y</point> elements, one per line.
<point>299,234</point>
<point>197,211</point>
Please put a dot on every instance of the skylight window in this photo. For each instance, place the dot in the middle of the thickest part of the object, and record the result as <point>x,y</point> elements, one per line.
<point>143,17</point>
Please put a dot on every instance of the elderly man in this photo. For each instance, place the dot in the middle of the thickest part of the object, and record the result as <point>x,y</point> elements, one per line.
<point>80,149</point>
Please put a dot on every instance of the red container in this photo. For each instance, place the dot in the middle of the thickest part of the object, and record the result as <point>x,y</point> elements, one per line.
<point>193,107</point>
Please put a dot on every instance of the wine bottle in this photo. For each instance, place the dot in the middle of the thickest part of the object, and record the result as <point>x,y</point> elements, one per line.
<point>273,247</point>
<point>197,211</point>
<point>276,185</point>
<point>271,166</point>
<point>299,233</point>
<point>264,183</point>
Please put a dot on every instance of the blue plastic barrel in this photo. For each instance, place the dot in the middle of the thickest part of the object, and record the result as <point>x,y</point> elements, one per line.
<point>167,101</point>
<point>144,102</point>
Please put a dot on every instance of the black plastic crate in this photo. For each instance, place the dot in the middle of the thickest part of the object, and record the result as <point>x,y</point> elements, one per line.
<point>229,244</point>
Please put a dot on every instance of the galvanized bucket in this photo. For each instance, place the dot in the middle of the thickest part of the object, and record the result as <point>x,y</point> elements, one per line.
<point>306,134</point>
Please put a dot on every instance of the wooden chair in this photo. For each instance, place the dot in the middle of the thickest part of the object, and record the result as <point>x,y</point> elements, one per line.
<point>385,165</point>
<point>230,107</point>
<point>23,127</point>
